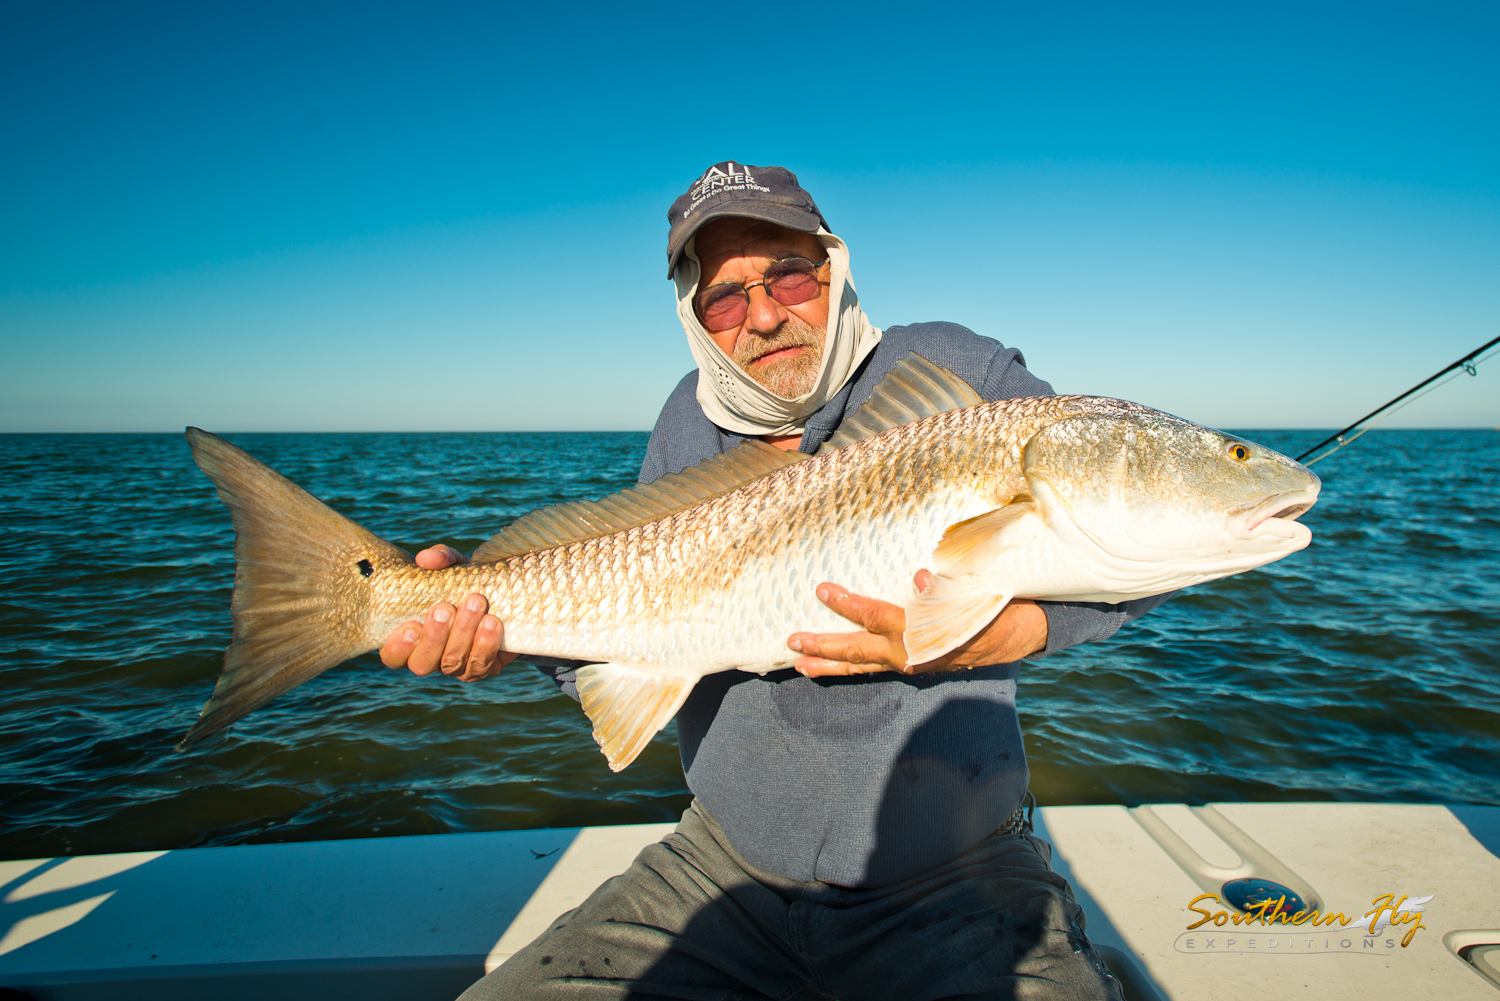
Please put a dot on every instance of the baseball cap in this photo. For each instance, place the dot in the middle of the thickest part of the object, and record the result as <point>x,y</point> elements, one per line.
<point>735,189</point>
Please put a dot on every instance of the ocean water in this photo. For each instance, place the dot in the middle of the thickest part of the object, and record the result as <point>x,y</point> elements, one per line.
<point>1364,668</point>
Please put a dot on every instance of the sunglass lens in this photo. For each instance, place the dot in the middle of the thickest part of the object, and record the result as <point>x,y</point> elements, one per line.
<point>793,281</point>
<point>722,306</point>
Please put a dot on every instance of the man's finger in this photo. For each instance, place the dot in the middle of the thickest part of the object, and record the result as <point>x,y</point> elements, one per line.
<point>428,651</point>
<point>484,659</point>
<point>849,647</point>
<point>440,558</point>
<point>399,645</point>
<point>868,613</point>
<point>820,667</point>
<point>461,636</point>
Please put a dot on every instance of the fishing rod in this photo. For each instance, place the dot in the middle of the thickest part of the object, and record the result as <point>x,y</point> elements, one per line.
<point>1466,363</point>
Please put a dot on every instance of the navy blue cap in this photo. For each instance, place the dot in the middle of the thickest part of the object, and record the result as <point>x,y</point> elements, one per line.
<point>733,189</point>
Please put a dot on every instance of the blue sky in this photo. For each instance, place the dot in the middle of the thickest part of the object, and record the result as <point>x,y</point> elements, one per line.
<point>366,217</point>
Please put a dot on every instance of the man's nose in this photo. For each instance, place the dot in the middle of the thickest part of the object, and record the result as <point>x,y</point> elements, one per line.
<point>765,315</point>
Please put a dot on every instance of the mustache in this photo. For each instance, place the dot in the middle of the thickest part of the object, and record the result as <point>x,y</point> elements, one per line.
<point>792,334</point>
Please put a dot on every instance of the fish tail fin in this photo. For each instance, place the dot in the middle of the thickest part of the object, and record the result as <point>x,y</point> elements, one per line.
<point>629,704</point>
<point>301,584</point>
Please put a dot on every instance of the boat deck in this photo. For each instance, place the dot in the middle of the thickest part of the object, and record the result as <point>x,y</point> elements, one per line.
<point>423,917</point>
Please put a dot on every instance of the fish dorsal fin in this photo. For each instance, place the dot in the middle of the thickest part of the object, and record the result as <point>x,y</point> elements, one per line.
<point>575,521</point>
<point>914,389</point>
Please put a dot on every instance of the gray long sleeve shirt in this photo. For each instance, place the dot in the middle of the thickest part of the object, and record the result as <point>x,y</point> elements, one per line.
<point>863,781</point>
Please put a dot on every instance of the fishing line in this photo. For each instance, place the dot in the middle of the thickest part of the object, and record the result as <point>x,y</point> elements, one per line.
<point>1467,365</point>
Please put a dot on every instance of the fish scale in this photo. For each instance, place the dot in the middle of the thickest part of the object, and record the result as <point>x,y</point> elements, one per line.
<point>885,490</point>
<point>712,569</point>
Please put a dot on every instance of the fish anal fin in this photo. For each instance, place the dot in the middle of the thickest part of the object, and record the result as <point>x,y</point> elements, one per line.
<point>969,546</point>
<point>562,524</point>
<point>629,704</point>
<point>914,389</point>
<point>947,615</point>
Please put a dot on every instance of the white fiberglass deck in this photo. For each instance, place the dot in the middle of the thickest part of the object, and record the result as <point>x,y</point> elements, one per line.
<point>419,918</point>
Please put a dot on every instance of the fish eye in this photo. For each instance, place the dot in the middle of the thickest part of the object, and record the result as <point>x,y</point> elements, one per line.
<point>1239,451</point>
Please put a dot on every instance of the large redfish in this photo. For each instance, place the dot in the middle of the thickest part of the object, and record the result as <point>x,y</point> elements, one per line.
<point>1066,497</point>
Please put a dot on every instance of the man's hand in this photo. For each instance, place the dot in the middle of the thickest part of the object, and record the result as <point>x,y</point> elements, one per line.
<point>1018,631</point>
<point>461,642</point>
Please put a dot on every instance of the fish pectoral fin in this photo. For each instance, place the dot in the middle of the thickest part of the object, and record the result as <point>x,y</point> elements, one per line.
<point>947,615</point>
<point>969,546</point>
<point>629,704</point>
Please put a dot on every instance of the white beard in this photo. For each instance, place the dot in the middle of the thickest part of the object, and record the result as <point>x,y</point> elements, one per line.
<point>791,377</point>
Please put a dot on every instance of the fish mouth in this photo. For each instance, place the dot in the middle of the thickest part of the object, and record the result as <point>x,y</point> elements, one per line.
<point>1284,507</point>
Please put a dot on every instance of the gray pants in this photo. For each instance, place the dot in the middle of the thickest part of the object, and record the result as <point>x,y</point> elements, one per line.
<point>689,919</point>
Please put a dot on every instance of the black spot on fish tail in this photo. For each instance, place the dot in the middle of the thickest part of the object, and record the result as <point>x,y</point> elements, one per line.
<point>365,569</point>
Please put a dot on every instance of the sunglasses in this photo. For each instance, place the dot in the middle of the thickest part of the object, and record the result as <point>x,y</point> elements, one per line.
<point>790,281</point>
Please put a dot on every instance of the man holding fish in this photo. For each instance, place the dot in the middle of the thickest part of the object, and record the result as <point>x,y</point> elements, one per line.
<point>849,837</point>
